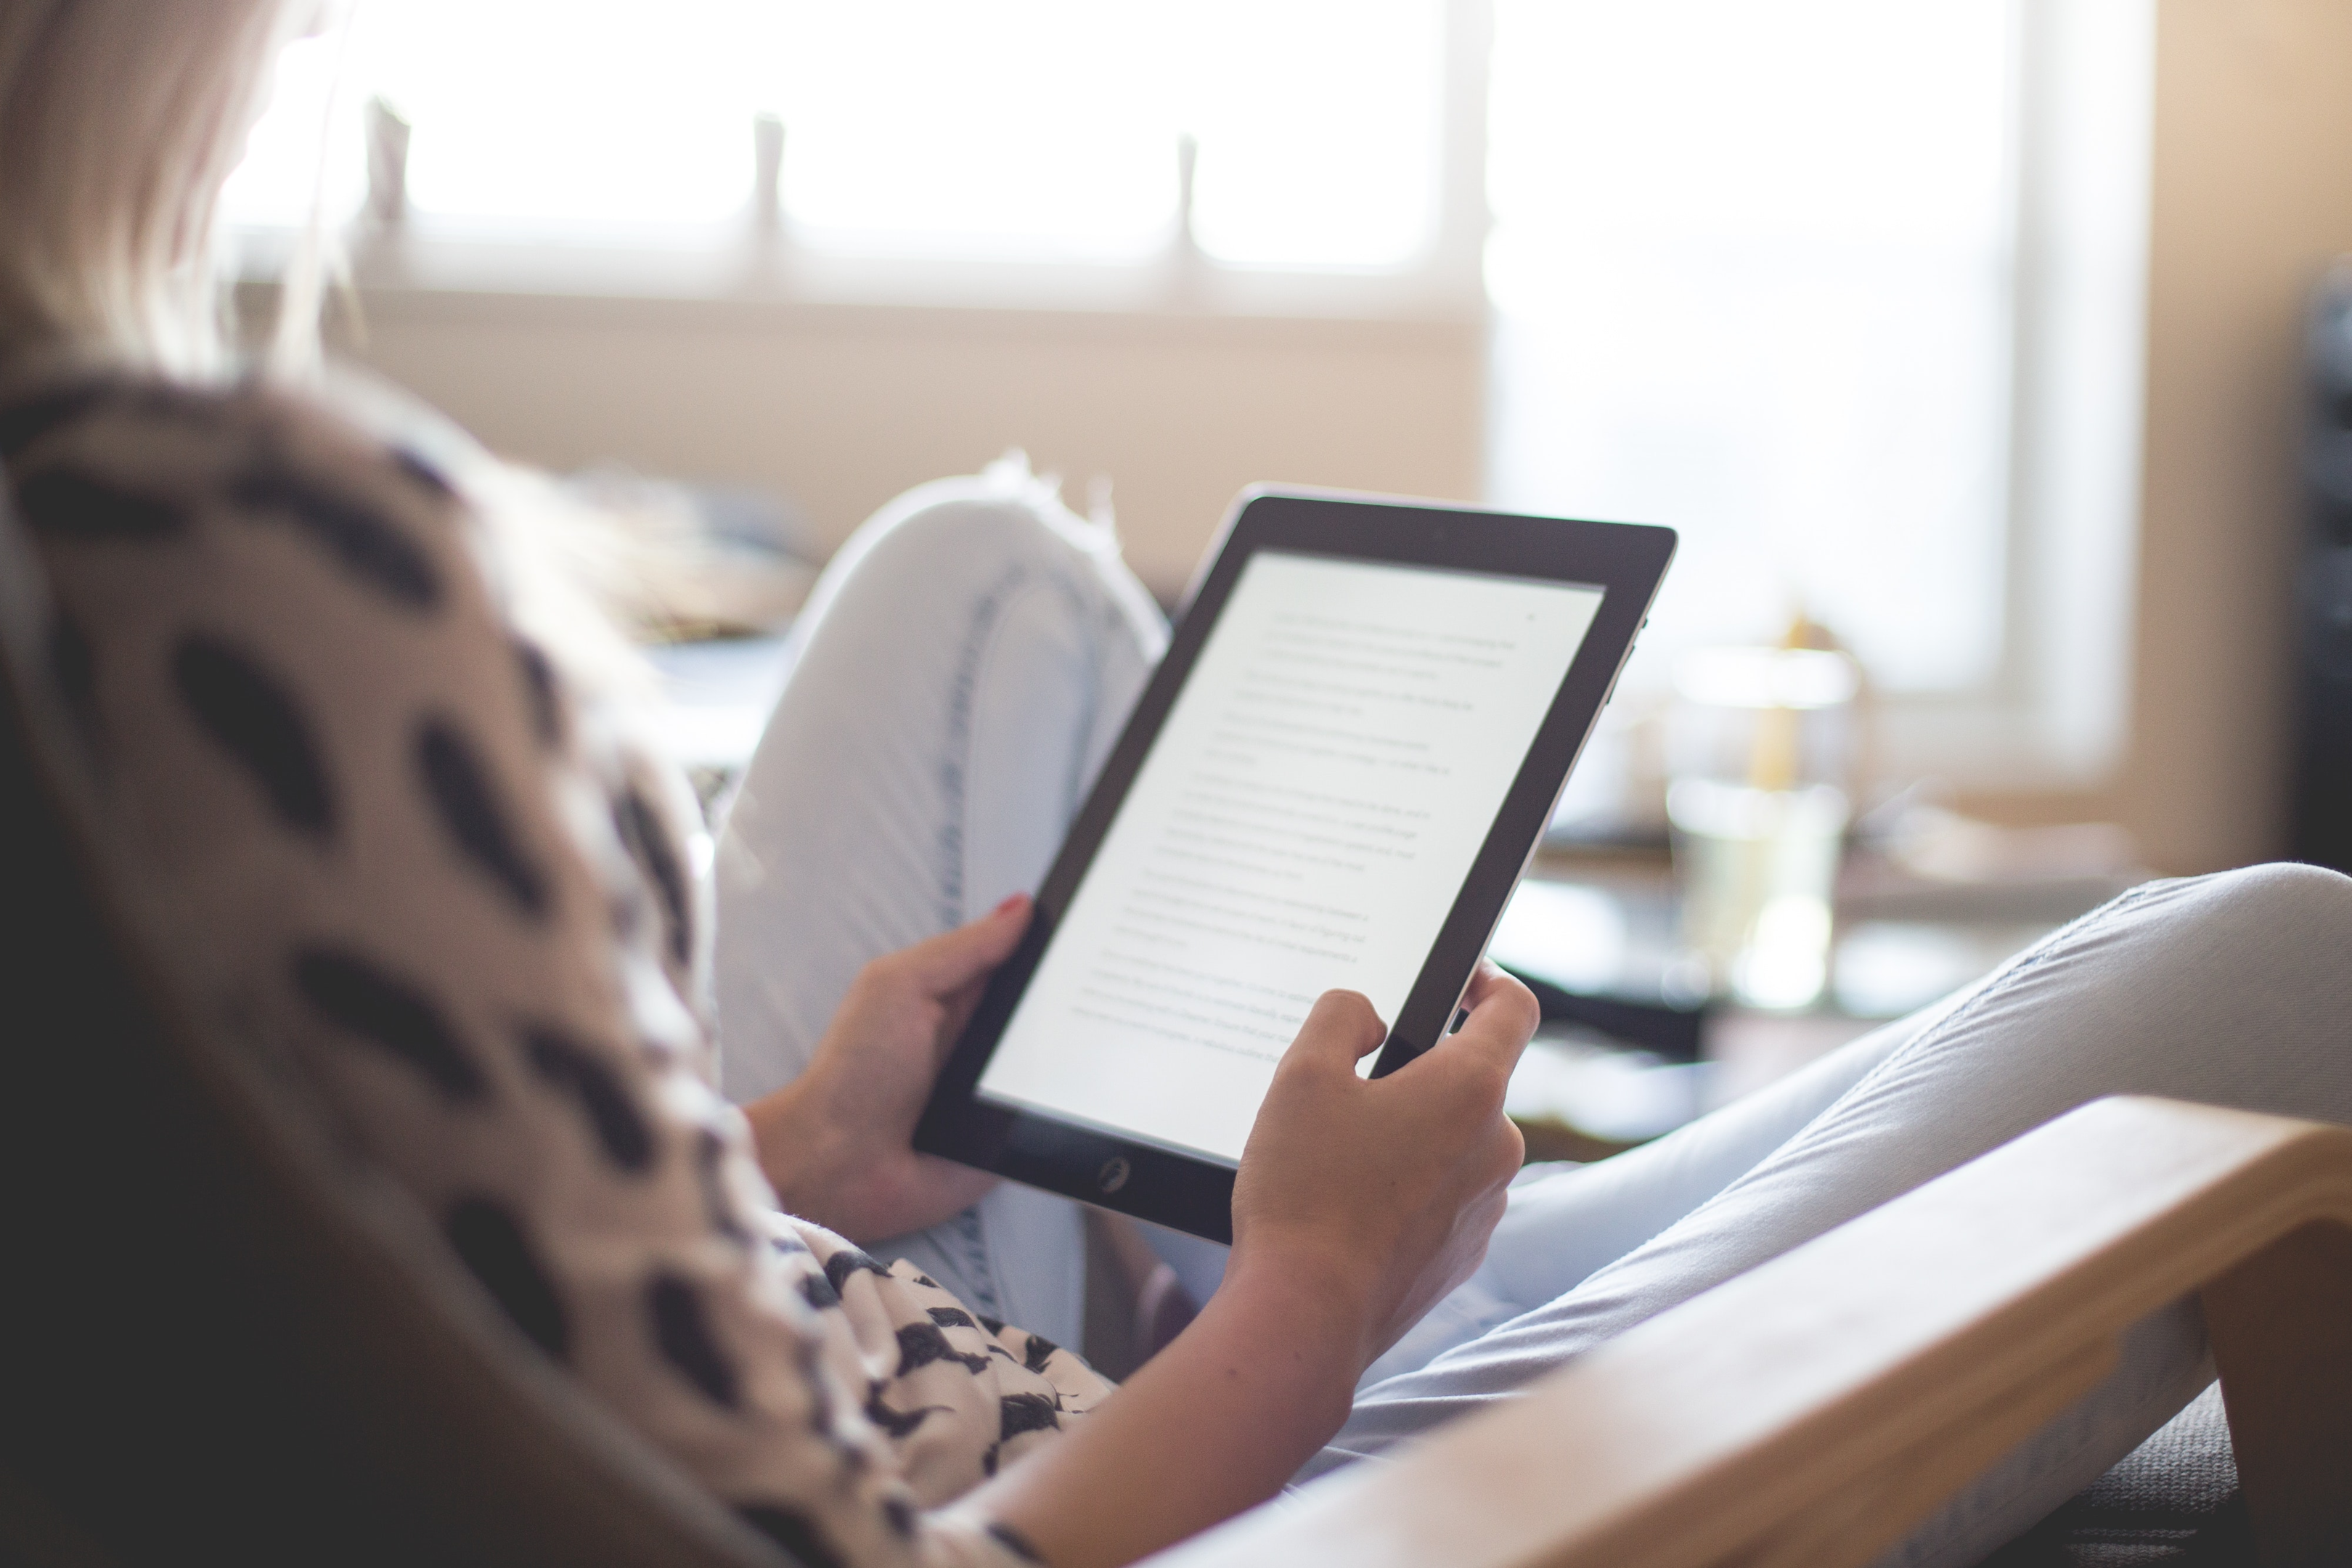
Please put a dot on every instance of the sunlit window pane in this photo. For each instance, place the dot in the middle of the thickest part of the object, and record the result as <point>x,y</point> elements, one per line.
<point>1752,270</point>
<point>1039,128</point>
<point>279,181</point>
<point>1320,130</point>
<point>1051,126</point>
<point>569,112</point>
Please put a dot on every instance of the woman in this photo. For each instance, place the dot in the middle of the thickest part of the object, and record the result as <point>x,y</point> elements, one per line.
<point>386,807</point>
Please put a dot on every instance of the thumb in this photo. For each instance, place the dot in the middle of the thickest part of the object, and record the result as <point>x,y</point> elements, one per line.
<point>955,959</point>
<point>1340,1028</point>
<point>1503,1015</point>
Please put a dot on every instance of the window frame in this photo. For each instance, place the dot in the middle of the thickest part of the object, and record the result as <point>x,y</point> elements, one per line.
<point>2056,715</point>
<point>758,258</point>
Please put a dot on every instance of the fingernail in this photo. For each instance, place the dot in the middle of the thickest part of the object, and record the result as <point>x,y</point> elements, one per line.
<point>1011,902</point>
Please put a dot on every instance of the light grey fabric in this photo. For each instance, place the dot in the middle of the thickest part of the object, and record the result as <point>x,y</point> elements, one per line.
<point>961,672</point>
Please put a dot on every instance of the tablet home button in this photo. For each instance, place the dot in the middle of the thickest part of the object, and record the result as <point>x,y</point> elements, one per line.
<point>1114,1175</point>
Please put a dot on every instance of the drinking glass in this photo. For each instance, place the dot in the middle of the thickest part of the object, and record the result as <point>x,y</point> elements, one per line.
<point>1760,752</point>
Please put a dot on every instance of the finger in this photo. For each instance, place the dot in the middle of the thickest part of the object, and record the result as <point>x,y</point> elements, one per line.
<point>1483,981</point>
<point>1503,1015</point>
<point>1340,1027</point>
<point>955,959</point>
<point>958,1005</point>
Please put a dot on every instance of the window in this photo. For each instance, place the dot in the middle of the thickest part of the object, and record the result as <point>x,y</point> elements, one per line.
<point>1849,292</point>
<point>1753,267</point>
<point>1036,129</point>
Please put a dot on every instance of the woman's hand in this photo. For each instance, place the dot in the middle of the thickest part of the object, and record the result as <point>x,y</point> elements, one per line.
<point>1384,1190</point>
<point>836,1141</point>
<point>1359,1204</point>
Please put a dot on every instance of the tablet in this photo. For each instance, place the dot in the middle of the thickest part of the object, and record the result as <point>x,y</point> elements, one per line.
<point>1333,780</point>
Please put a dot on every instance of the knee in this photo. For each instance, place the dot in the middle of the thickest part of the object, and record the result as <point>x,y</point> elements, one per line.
<point>949,526</point>
<point>946,552</point>
<point>981,526</point>
<point>2279,906</point>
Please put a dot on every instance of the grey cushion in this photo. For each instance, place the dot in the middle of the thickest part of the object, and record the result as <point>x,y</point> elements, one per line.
<point>2173,1500</point>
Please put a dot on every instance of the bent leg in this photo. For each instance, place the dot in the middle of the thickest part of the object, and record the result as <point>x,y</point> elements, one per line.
<point>1560,1228</point>
<point>959,675</point>
<point>2228,990</point>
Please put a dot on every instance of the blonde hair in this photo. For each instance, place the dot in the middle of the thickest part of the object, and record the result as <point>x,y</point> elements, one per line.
<point>120,120</point>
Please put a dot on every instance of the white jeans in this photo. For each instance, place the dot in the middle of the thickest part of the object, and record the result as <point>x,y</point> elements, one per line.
<point>962,670</point>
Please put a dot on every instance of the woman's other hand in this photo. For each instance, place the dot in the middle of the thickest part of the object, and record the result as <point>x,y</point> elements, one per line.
<point>836,1142</point>
<point>1384,1190</point>
<point>1359,1204</point>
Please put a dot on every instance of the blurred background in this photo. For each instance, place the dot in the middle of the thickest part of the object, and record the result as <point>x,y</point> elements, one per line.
<point>1980,349</point>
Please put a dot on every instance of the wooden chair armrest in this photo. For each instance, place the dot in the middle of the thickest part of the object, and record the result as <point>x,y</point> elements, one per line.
<point>1813,1410</point>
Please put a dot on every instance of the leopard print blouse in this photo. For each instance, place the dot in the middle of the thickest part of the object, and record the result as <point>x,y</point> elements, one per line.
<point>409,855</point>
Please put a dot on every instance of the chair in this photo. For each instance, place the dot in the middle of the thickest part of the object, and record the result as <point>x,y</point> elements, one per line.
<point>1813,1410</point>
<point>223,1333</point>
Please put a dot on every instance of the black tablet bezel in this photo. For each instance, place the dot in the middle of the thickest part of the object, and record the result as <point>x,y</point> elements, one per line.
<point>1192,1192</point>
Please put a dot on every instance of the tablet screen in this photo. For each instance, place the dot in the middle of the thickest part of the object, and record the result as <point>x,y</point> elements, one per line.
<point>1303,821</point>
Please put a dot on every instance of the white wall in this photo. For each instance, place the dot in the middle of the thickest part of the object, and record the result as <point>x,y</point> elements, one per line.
<point>841,406</point>
<point>2252,194</point>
